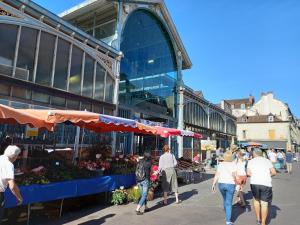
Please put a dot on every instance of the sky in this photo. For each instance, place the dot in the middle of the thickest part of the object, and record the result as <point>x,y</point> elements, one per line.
<point>237,47</point>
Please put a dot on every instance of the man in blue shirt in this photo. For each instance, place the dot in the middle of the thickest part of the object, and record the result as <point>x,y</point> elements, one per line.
<point>289,161</point>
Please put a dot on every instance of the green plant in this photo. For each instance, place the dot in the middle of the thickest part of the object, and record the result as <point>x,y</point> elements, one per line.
<point>133,194</point>
<point>119,197</point>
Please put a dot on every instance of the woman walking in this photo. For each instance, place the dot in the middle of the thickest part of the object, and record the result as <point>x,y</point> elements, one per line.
<point>143,172</point>
<point>241,177</point>
<point>167,164</point>
<point>225,176</point>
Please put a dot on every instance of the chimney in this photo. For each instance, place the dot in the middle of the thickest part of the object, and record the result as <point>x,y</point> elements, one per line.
<point>251,100</point>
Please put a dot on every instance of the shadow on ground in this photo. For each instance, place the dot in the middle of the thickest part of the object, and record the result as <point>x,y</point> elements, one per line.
<point>272,213</point>
<point>99,221</point>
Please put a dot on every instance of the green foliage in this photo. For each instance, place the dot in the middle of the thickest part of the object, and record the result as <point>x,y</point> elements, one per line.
<point>133,194</point>
<point>119,197</point>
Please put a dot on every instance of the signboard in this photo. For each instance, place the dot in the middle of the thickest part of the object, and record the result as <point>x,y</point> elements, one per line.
<point>207,145</point>
<point>31,132</point>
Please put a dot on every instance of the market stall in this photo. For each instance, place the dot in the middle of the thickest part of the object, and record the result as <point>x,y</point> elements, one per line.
<point>94,172</point>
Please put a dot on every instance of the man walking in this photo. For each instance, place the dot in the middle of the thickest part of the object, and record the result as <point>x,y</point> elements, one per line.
<point>10,155</point>
<point>261,170</point>
<point>289,161</point>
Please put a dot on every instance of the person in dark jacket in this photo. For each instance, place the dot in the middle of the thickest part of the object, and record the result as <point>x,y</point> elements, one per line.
<point>144,184</point>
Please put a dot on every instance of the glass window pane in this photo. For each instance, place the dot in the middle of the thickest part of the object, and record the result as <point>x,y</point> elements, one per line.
<point>109,91</point>
<point>40,97</point>
<point>99,86</point>
<point>97,109</point>
<point>87,89</point>
<point>8,37</point>
<point>61,66</point>
<point>86,106</point>
<point>26,55</point>
<point>20,92</point>
<point>72,104</point>
<point>46,51</point>
<point>4,89</point>
<point>108,111</point>
<point>105,30</point>
<point>75,74</point>
<point>58,101</point>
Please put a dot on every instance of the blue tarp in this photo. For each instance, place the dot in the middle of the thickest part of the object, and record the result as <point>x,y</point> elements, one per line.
<point>69,189</point>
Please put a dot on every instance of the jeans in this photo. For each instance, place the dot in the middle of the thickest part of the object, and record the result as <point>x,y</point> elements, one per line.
<point>1,205</point>
<point>144,187</point>
<point>227,191</point>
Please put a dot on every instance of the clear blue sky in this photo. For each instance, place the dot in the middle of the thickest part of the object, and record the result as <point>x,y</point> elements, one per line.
<point>238,47</point>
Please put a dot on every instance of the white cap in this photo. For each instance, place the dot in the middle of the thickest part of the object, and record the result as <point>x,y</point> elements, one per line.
<point>12,151</point>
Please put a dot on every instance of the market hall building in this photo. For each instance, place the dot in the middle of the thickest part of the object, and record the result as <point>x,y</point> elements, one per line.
<point>121,58</point>
<point>46,62</point>
<point>154,56</point>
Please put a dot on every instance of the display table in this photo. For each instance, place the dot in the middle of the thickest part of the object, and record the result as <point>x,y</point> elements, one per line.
<point>69,189</point>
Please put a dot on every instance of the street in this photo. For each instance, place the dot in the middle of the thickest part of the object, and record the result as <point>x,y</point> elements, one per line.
<point>199,207</point>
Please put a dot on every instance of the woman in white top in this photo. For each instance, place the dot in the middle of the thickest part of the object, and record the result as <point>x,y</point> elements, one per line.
<point>241,177</point>
<point>225,177</point>
<point>167,164</point>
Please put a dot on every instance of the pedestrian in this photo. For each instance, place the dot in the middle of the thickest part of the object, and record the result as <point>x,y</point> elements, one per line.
<point>10,155</point>
<point>241,177</point>
<point>225,177</point>
<point>196,159</point>
<point>5,142</point>
<point>143,173</point>
<point>280,158</point>
<point>167,164</point>
<point>261,171</point>
<point>273,156</point>
<point>289,161</point>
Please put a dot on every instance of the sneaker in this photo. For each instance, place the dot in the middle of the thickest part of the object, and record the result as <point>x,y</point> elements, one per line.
<point>139,213</point>
<point>258,222</point>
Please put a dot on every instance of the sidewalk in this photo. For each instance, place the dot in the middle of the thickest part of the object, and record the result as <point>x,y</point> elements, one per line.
<point>199,207</point>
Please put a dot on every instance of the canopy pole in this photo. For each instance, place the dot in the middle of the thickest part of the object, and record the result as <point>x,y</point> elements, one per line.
<point>76,145</point>
<point>192,148</point>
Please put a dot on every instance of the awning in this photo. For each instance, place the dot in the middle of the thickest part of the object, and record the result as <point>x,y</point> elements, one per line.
<point>167,132</point>
<point>91,121</point>
<point>188,133</point>
<point>13,116</point>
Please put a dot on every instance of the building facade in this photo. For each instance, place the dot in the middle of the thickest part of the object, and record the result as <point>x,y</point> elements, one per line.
<point>46,62</point>
<point>268,121</point>
<point>214,122</point>
<point>150,81</point>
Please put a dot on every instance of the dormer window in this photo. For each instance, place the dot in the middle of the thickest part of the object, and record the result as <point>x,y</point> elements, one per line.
<point>271,119</point>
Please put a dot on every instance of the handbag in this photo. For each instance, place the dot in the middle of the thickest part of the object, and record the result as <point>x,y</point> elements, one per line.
<point>240,180</point>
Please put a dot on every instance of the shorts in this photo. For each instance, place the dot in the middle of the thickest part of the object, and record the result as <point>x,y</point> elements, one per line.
<point>262,193</point>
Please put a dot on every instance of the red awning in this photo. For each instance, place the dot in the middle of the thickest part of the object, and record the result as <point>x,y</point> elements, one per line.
<point>91,121</point>
<point>13,116</point>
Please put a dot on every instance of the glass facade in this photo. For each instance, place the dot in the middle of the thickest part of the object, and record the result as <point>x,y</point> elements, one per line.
<point>55,67</point>
<point>26,54</point>
<point>45,60</point>
<point>230,127</point>
<point>216,122</point>
<point>148,69</point>
<point>8,37</point>
<point>76,68</point>
<point>195,114</point>
<point>61,65</point>
<point>88,77</point>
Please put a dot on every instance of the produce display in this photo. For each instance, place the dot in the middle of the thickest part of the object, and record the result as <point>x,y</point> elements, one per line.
<point>44,168</point>
<point>42,175</point>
